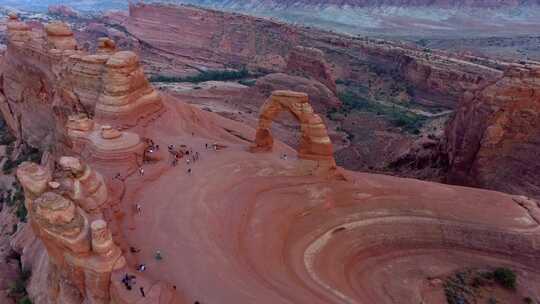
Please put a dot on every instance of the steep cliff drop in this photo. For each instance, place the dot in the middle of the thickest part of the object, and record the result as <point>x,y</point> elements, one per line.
<point>493,141</point>
<point>206,220</point>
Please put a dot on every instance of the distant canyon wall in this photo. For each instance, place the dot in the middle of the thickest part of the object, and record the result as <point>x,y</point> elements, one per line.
<point>475,87</point>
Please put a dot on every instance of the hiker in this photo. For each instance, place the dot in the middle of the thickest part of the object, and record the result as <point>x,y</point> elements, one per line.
<point>189,170</point>
<point>187,161</point>
<point>197,155</point>
<point>125,281</point>
<point>142,291</point>
<point>158,255</point>
<point>141,268</point>
<point>141,171</point>
<point>206,146</point>
<point>139,208</point>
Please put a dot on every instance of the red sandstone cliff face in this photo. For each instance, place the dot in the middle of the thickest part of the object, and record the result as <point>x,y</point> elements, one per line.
<point>212,39</point>
<point>310,63</point>
<point>494,139</point>
<point>179,39</point>
<point>193,39</point>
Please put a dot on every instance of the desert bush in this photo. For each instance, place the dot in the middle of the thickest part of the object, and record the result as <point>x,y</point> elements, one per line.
<point>528,300</point>
<point>18,288</point>
<point>27,154</point>
<point>218,75</point>
<point>505,277</point>
<point>407,121</point>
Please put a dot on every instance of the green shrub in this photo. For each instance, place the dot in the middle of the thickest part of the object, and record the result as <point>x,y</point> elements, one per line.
<point>219,75</point>
<point>8,166</point>
<point>505,277</point>
<point>248,82</point>
<point>528,300</point>
<point>24,300</point>
<point>18,288</point>
<point>6,138</point>
<point>21,212</point>
<point>410,122</point>
<point>27,154</point>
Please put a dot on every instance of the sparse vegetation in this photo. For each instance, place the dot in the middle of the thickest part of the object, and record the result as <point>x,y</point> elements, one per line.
<point>464,286</point>
<point>15,199</point>
<point>528,300</point>
<point>27,153</point>
<point>18,291</point>
<point>248,82</point>
<point>407,121</point>
<point>218,75</point>
<point>505,277</point>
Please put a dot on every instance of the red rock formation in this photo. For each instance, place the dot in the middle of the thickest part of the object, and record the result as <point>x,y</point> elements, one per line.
<point>126,91</point>
<point>45,78</point>
<point>62,11</point>
<point>493,140</point>
<point>315,145</point>
<point>310,63</point>
<point>184,39</point>
<point>80,249</point>
<point>103,143</point>
<point>195,37</point>
<point>320,96</point>
<point>275,227</point>
<point>60,36</point>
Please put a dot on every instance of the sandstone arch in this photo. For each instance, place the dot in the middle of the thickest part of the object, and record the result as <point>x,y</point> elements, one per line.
<point>314,145</point>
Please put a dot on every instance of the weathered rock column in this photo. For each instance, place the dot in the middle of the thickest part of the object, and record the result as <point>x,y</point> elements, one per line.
<point>60,36</point>
<point>106,259</point>
<point>87,187</point>
<point>127,94</point>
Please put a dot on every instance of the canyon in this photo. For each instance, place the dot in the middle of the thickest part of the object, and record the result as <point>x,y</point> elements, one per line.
<point>245,190</point>
<point>424,95</point>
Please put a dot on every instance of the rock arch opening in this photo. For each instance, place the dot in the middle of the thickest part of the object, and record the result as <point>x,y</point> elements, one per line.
<point>315,145</point>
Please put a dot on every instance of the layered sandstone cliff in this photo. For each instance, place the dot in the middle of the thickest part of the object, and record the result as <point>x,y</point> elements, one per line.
<point>64,100</point>
<point>79,244</point>
<point>493,139</point>
<point>46,78</point>
<point>183,39</point>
